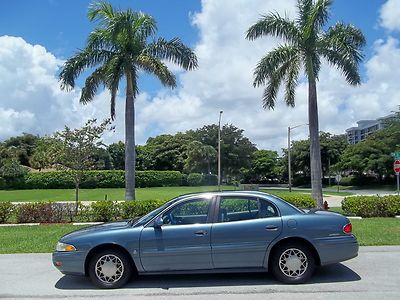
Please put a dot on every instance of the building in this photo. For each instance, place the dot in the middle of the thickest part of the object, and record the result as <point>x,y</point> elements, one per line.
<point>365,128</point>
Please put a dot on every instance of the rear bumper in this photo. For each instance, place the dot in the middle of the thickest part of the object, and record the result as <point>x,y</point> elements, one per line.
<point>336,249</point>
<point>70,263</point>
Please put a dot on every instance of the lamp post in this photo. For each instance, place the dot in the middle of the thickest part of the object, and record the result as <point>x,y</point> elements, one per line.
<point>289,161</point>
<point>219,151</point>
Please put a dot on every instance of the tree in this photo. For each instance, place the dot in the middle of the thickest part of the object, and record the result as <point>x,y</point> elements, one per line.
<point>72,150</point>
<point>120,47</point>
<point>265,167</point>
<point>117,153</point>
<point>21,147</point>
<point>306,42</point>
<point>200,157</point>
<point>41,157</point>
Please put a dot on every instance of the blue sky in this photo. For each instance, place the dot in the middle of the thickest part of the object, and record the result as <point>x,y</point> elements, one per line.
<point>210,27</point>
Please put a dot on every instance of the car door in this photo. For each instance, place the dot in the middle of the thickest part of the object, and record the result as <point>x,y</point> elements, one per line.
<point>182,242</point>
<point>245,227</point>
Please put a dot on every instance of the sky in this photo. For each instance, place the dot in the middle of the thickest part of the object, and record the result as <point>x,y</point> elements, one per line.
<point>37,36</point>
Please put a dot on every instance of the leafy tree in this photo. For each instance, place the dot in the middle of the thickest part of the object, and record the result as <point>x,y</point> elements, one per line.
<point>117,153</point>
<point>306,42</point>
<point>41,157</point>
<point>120,47</point>
<point>265,166</point>
<point>236,149</point>
<point>73,149</point>
<point>200,157</point>
<point>11,172</point>
<point>21,147</point>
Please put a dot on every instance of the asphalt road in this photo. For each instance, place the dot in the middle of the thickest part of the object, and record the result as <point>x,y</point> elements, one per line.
<point>374,273</point>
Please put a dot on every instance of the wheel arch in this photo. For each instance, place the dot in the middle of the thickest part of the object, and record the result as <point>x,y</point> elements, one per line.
<point>112,246</point>
<point>293,239</point>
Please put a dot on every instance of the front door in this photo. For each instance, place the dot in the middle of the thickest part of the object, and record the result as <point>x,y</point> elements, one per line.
<point>245,228</point>
<point>183,242</point>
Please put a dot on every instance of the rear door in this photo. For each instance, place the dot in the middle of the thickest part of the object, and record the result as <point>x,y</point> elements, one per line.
<point>245,226</point>
<point>183,242</point>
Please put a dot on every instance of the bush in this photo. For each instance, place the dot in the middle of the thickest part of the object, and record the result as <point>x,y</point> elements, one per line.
<point>49,212</point>
<point>133,209</point>
<point>104,211</point>
<point>100,179</point>
<point>210,179</point>
<point>6,210</point>
<point>372,206</point>
<point>195,179</point>
<point>298,200</point>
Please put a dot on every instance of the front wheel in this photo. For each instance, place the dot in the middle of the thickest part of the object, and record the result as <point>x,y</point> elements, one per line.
<point>109,269</point>
<point>292,263</point>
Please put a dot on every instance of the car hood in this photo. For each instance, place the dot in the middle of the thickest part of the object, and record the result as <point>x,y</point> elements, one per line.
<point>97,228</point>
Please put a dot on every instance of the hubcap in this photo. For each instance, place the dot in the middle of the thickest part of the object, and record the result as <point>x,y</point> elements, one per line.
<point>109,268</point>
<point>293,262</point>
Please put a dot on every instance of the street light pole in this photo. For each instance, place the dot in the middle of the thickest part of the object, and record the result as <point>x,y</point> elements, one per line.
<point>289,159</point>
<point>219,151</point>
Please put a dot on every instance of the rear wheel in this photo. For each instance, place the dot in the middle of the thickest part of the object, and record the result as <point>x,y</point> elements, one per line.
<point>292,263</point>
<point>109,269</point>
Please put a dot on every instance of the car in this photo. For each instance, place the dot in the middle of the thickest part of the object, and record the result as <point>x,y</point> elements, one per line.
<point>216,232</point>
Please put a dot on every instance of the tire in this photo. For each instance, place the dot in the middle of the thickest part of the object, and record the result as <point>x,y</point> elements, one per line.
<point>110,269</point>
<point>292,263</point>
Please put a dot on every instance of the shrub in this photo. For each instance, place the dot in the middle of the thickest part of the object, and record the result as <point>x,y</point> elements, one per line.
<point>195,179</point>
<point>133,209</point>
<point>49,212</point>
<point>210,179</point>
<point>104,211</point>
<point>298,200</point>
<point>100,179</point>
<point>6,210</point>
<point>372,206</point>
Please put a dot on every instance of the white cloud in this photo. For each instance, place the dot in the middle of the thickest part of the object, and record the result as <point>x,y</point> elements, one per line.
<point>31,100</point>
<point>390,15</point>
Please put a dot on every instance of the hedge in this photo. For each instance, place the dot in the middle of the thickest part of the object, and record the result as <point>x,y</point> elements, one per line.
<point>372,206</point>
<point>298,200</point>
<point>99,179</point>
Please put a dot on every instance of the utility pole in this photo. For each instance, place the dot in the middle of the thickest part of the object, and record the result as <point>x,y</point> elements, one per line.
<point>219,151</point>
<point>289,158</point>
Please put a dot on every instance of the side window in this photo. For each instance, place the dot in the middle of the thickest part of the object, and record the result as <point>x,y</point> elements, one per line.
<point>244,208</point>
<point>188,212</point>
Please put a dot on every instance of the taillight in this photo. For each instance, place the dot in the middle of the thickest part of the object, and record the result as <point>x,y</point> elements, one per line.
<point>347,228</point>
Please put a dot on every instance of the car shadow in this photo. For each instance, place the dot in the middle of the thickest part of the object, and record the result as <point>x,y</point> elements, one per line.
<point>327,274</point>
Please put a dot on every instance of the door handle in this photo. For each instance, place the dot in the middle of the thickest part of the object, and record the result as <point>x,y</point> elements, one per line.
<point>201,232</point>
<point>271,227</point>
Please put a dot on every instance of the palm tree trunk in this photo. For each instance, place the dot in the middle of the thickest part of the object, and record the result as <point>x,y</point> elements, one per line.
<point>130,153</point>
<point>315,149</point>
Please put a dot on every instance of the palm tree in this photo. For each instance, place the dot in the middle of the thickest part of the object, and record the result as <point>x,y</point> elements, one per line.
<point>306,42</point>
<point>122,45</point>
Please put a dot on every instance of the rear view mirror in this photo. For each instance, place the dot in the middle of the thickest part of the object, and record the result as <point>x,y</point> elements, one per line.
<point>158,222</point>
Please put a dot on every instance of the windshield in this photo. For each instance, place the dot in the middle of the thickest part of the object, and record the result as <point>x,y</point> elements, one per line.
<point>146,218</point>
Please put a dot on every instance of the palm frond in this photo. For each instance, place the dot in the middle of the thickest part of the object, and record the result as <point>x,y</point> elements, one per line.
<point>319,14</point>
<point>92,83</point>
<point>275,25</point>
<point>113,74</point>
<point>292,81</point>
<point>73,67</point>
<point>304,7</point>
<point>271,62</point>
<point>100,38</point>
<point>101,11</point>
<point>174,51</point>
<point>274,82</point>
<point>155,66</point>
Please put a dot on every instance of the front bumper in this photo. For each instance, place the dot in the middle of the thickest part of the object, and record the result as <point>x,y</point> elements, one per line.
<point>70,263</point>
<point>337,249</point>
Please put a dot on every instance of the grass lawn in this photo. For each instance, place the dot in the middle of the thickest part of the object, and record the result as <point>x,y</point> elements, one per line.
<point>43,238</point>
<point>303,191</point>
<point>32,239</point>
<point>156,193</point>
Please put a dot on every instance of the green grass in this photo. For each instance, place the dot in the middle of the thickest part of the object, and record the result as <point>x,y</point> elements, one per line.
<point>42,238</point>
<point>156,193</point>
<point>32,239</point>
<point>303,191</point>
<point>377,231</point>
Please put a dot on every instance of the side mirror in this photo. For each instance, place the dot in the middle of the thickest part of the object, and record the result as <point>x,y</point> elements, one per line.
<point>158,222</point>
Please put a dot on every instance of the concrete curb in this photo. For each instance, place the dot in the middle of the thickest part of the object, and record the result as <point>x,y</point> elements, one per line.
<point>355,218</point>
<point>37,224</point>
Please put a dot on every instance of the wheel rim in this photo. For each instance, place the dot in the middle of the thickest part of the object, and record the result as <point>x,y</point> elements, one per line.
<point>293,262</point>
<point>109,268</point>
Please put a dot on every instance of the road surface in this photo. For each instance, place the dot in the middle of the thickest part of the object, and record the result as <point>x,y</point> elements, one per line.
<point>375,273</point>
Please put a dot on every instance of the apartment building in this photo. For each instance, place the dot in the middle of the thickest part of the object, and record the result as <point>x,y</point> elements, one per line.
<point>365,128</point>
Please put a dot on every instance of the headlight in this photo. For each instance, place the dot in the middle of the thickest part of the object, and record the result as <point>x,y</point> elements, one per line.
<point>62,247</point>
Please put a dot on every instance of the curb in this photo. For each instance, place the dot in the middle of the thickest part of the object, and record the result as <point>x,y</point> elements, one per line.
<point>355,218</point>
<point>37,224</point>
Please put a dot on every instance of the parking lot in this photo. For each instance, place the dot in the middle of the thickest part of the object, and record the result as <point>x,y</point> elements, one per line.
<point>375,273</point>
